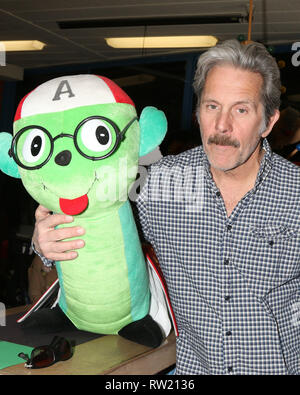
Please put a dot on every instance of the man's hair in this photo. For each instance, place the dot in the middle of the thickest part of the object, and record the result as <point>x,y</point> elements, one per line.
<point>251,57</point>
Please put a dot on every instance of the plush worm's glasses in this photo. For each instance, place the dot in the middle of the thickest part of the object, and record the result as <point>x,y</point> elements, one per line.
<point>60,349</point>
<point>95,138</point>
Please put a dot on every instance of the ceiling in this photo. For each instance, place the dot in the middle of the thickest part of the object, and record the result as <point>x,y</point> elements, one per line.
<point>274,22</point>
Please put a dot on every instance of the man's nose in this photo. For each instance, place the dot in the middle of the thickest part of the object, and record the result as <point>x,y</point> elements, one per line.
<point>223,122</point>
<point>63,158</point>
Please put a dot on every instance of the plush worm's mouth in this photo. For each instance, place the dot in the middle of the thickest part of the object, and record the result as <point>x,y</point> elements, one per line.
<point>77,205</point>
<point>74,206</point>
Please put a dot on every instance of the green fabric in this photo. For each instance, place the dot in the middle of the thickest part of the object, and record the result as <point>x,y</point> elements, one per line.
<point>7,164</point>
<point>137,273</point>
<point>153,124</point>
<point>9,353</point>
<point>62,298</point>
<point>96,286</point>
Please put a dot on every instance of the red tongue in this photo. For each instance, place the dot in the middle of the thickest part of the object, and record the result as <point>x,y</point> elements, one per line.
<point>74,206</point>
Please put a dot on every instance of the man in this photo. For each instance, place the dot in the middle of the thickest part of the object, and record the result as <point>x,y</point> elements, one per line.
<point>224,221</point>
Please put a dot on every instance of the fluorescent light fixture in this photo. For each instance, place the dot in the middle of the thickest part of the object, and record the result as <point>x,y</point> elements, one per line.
<point>23,45</point>
<point>162,42</point>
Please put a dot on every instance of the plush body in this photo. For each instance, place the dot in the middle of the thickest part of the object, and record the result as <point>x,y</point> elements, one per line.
<point>77,141</point>
<point>112,290</point>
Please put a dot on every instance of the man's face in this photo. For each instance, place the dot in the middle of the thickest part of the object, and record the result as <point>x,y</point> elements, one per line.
<point>231,116</point>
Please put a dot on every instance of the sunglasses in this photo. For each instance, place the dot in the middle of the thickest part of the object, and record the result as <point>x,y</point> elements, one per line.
<point>60,349</point>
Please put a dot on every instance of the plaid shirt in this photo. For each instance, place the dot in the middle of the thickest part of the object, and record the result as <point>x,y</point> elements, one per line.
<point>234,282</point>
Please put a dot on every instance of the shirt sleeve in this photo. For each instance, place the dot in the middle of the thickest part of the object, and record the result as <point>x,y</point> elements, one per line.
<point>143,211</point>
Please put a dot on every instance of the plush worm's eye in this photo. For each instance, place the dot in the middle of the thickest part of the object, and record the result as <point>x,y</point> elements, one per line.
<point>33,146</point>
<point>102,135</point>
<point>96,135</point>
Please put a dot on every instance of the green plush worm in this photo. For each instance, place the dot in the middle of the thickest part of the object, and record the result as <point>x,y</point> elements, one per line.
<point>76,144</point>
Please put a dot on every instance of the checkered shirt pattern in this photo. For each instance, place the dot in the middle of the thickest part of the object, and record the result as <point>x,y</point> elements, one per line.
<point>234,282</point>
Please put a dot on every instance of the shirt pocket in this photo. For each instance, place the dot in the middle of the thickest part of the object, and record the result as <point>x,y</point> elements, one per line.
<point>279,248</point>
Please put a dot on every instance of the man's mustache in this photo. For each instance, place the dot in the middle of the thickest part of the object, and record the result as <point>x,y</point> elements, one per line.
<point>223,140</point>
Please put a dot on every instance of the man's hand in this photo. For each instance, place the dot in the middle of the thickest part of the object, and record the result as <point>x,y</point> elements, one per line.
<point>49,241</point>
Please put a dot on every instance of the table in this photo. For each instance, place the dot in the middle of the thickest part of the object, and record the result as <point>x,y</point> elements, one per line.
<point>107,355</point>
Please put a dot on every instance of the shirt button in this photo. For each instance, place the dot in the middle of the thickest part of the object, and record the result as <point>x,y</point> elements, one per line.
<point>230,369</point>
<point>228,333</point>
<point>226,261</point>
<point>227,297</point>
<point>218,194</point>
<point>229,227</point>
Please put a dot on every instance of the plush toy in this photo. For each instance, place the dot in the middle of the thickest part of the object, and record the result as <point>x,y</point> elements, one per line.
<point>76,144</point>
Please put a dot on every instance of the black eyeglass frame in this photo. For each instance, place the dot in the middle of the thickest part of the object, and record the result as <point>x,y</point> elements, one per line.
<point>119,137</point>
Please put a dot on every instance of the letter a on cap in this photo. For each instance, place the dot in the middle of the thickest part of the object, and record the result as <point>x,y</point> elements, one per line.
<point>69,92</point>
<point>60,91</point>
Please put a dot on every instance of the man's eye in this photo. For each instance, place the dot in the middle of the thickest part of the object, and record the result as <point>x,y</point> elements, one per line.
<point>212,107</point>
<point>241,110</point>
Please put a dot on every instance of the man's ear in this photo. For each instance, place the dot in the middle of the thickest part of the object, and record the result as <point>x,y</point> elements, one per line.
<point>7,163</point>
<point>273,119</point>
<point>153,125</point>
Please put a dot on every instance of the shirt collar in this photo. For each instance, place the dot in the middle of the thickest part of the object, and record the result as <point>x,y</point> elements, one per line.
<point>266,163</point>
